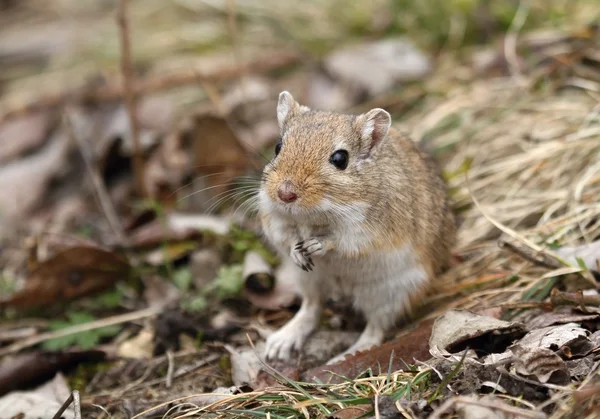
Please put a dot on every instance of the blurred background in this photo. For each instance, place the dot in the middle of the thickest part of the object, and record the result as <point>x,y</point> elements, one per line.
<point>133,133</point>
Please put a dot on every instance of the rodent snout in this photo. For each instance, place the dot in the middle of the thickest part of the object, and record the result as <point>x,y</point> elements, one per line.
<point>287,192</point>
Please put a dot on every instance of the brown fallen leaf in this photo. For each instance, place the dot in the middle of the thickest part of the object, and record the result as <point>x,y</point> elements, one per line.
<point>406,348</point>
<point>35,368</point>
<point>541,364</point>
<point>70,274</point>
<point>457,330</point>
<point>570,339</point>
<point>43,401</point>
<point>559,317</point>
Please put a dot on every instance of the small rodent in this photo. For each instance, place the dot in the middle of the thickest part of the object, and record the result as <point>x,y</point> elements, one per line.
<point>361,211</point>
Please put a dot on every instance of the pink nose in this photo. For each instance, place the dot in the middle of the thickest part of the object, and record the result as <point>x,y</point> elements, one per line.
<point>286,192</point>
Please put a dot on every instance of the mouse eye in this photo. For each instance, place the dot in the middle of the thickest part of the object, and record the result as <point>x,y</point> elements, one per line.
<point>278,148</point>
<point>339,159</point>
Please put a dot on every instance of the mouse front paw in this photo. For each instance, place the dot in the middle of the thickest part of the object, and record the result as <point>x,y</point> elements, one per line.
<point>283,343</point>
<point>303,251</point>
<point>301,258</point>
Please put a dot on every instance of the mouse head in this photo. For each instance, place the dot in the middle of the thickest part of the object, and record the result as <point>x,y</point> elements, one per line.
<point>322,159</point>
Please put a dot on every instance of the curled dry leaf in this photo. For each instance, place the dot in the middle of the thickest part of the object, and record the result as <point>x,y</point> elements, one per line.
<point>560,316</point>
<point>456,330</point>
<point>35,368</point>
<point>540,364</point>
<point>70,274</point>
<point>571,339</point>
<point>265,290</point>
<point>262,288</point>
<point>41,402</point>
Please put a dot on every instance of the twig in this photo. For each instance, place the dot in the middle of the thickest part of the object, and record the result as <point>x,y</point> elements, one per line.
<point>113,90</point>
<point>73,398</point>
<point>559,298</point>
<point>170,369</point>
<point>545,262</point>
<point>101,194</point>
<point>96,324</point>
<point>129,92</point>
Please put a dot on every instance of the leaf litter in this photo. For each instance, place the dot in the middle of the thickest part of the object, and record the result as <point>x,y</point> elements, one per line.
<point>522,145</point>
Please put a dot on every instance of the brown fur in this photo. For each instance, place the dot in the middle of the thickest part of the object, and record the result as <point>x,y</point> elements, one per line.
<point>404,189</point>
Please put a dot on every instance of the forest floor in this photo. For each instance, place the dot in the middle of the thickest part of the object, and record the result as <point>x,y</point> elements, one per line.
<point>134,282</point>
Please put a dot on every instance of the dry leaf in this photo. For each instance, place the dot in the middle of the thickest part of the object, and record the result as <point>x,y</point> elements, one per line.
<point>35,368</point>
<point>570,336</point>
<point>559,317</point>
<point>70,274</point>
<point>411,345</point>
<point>268,292</point>
<point>541,364</point>
<point>245,364</point>
<point>456,330</point>
<point>41,402</point>
<point>138,347</point>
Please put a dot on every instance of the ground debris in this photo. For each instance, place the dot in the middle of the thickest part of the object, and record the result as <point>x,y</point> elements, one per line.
<point>540,364</point>
<point>41,402</point>
<point>459,329</point>
<point>475,407</point>
<point>569,339</point>
<point>70,274</point>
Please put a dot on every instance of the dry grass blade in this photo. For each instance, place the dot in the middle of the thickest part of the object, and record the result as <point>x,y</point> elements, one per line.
<point>97,324</point>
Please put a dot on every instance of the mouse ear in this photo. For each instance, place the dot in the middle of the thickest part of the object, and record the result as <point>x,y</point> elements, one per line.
<point>373,127</point>
<point>287,107</point>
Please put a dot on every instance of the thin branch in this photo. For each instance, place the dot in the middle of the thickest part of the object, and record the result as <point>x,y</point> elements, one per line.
<point>541,259</point>
<point>74,399</point>
<point>113,90</point>
<point>129,93</point>
<point>96,324</point>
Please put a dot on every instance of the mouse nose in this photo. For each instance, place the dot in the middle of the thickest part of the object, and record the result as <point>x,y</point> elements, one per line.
<point>286,192</point>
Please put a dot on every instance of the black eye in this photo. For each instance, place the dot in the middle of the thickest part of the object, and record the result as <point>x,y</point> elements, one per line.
<point>339,159</point>
<point>278,148</point>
